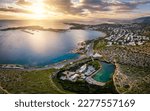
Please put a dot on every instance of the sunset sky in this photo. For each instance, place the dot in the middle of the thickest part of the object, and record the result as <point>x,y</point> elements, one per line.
<point>74,9</point>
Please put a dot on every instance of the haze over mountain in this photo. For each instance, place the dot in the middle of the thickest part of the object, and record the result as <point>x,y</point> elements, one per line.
<point>142,20</point>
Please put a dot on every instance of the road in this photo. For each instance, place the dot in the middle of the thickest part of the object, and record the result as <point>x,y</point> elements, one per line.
<point>90,50</point>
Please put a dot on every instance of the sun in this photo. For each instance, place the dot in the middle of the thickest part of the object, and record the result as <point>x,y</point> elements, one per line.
<point>38,9</point>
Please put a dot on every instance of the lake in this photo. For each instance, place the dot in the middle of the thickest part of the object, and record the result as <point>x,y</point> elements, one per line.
<point>42,47</point>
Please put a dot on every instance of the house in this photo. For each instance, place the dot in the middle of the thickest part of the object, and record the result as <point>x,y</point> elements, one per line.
<point>68,73</point>
<point>74,78</point>
<point>96,55</point>
<point>90,71</point>
<point>83,68</point>
<point>82,76</point>
<point>63,78</point>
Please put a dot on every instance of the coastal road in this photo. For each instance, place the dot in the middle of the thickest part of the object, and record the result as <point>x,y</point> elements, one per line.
<point>90,50</point>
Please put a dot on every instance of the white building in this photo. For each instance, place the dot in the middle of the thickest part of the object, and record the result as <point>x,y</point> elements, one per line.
<point>90,71</point>
<point>83,68</point>
<point>97,55</point>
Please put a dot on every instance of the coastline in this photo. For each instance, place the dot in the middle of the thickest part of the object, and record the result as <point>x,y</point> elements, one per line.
<point>58,65</point>
<point>88,51</point>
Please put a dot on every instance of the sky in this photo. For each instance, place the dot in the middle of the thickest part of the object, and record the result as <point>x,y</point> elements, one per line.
<point>74,9</point>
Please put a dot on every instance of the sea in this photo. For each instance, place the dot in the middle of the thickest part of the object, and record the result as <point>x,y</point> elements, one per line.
<point>40,48</point>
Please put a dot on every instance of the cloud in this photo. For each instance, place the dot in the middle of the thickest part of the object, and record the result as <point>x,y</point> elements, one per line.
<point>16,10</point>
<point>83,8</point>
<point>23,3</point>
<point>59,5</point>
<point>94,6</point>
<point>13,7</point>
<point>129,6</point>
<point>106,5</point>
<point>67,7</point>
<point>17,6</point>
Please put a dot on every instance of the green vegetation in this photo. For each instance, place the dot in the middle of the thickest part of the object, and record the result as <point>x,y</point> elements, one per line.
<point>134,80</point>
<point>132,55</point>
<point>139,71</point>
<point>95,63</point>
<point>134,65</point>
<point>82,87</point>
<point>29,82</point>
<point>144,49</point>
<point>2,92</point>
<point>100,44</point>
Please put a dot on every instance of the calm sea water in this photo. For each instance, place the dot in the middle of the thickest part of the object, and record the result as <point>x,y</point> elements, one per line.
<point>42,47</point>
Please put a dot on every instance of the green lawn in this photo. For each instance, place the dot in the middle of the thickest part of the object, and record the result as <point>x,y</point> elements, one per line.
<point>29,82</point>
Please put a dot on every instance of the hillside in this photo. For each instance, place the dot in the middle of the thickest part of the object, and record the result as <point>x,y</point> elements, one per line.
<point>132,66</point>
<point>132,55</point>
<point>28,82</point>
<point>142,20</point>
<point>132,80</point>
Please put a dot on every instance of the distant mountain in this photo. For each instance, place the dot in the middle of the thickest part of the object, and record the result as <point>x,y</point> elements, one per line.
<point>142,20</point>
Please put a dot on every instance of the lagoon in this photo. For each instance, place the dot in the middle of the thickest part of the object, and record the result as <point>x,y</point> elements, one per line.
<point>106,72</point>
